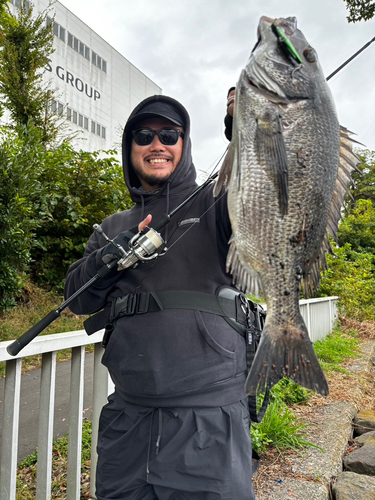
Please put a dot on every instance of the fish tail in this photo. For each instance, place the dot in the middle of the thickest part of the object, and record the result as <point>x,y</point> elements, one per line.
<point>285,352</point>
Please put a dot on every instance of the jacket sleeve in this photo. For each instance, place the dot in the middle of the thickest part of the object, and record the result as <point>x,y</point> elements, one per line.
<point>79,273</point>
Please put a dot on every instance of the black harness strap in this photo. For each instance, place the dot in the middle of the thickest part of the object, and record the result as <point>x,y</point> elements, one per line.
<point>143,302</point>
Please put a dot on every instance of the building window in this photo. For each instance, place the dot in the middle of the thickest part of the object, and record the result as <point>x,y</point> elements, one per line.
<point>76,44</point>
<point>57,107</point>
<point>93,127</point>
<point>70,39</point>
<point>69,113</point>
<point>75,117</point>
<point>58,30</point>
<point>98,129</point>
<point>18,3</point>
<point>86,124</point>
<point>103,132</point>
<point>98,61</point>
<point>62,34</point>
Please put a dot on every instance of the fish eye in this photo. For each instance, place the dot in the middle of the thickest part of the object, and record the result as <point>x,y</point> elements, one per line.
<point>310,55</point>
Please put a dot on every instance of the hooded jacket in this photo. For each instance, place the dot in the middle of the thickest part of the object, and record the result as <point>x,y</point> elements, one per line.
<point>170,357</point>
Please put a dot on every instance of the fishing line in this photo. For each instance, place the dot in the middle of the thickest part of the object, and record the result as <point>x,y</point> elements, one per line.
<point>195,222</point>
<point>216,164</point>
<point>350,59</point>
<point>189,207</point>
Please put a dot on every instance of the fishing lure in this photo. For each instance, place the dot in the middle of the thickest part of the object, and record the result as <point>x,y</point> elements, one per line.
<point>283,39</point>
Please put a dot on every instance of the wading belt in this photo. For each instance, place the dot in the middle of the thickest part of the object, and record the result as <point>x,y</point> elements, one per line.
<point>144,302</point>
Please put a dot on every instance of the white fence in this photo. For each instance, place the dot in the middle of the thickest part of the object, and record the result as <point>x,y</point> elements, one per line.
<point>319,315</point>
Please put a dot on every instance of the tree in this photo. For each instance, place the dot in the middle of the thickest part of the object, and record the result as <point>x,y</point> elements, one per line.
<point>360,10</point>
<point>358,228</point>
<point>19,169</point>
<point>363,187</point>
<point>25,48</point>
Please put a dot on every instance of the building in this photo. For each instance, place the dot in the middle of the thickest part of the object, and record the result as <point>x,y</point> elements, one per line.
<point>96,87</point>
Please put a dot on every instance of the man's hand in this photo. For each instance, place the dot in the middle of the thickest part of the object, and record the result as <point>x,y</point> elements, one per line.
<point>110,252</point>
<point>230,102</point>
<point>228,120</point>
<point>146,222</point>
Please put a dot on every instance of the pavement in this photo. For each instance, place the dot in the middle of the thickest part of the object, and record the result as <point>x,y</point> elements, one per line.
<point>29,404</point>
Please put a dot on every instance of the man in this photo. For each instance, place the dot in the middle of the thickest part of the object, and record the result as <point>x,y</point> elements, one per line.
<point>177,426</point>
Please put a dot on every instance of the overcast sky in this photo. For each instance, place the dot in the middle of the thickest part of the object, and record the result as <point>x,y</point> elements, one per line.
<point>194,50</point>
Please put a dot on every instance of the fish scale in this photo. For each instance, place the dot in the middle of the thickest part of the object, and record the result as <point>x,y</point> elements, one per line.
<point>281,173</point>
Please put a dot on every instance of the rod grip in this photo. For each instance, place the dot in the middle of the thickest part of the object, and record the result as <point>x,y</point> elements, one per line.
<point>162,222</point>
<point>15,347</point>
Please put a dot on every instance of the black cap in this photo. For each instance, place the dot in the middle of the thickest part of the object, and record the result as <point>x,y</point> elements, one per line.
<point>154,109</point>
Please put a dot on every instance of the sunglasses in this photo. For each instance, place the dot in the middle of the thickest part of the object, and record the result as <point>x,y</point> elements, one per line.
<point>167,136</point>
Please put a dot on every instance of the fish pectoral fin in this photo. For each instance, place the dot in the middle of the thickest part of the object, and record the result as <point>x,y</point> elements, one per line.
<point>271,152</point>
<point>243,279</point>
<point>226,170</point>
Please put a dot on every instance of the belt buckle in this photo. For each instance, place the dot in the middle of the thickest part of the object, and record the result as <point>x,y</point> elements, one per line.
<point>129,306</point>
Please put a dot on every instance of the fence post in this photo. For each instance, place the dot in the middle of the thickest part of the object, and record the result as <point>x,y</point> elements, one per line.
<point>75,423</point>
<point>10,429</point>
<point>46,414</point>
<point>100,389</point>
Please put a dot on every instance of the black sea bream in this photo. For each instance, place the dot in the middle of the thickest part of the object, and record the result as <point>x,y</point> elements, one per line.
<point>287,171</point>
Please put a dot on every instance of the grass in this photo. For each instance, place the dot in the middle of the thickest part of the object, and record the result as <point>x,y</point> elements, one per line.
<point>33,305</point>
<point>337,347</point>
<point>27,469</point>
<point>280,428</point>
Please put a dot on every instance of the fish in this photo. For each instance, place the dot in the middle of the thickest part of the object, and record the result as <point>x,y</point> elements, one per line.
<point>286,172</point>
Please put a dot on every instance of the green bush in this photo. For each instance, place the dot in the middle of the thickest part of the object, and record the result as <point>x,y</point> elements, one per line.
<point>81,189</point>
<point>19,171</point>
<point>350,276</point>
<point>49,200</point>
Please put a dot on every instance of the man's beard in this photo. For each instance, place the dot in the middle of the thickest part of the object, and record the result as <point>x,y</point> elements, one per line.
<point>153,180</point>
<point>150,179</point>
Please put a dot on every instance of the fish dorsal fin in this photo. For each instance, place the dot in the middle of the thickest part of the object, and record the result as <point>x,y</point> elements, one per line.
<point>348,162</point>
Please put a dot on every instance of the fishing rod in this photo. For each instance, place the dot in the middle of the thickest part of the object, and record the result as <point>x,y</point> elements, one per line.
<point>350,59</point>
<point>142,247</point>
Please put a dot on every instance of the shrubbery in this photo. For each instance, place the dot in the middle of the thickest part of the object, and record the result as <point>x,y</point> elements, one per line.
<point>49,200</point>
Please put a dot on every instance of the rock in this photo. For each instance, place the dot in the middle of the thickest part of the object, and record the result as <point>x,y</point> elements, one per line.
<point>330,429</point>
<point>362,460</point>
<point>351,486</point>
<point>364,422</point>
<point>369,436</point>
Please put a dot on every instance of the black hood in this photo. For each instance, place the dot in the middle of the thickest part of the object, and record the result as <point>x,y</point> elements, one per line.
<point>183,178</point>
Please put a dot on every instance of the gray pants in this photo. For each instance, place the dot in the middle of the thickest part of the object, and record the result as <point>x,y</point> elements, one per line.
<point>174,453</point>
